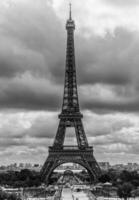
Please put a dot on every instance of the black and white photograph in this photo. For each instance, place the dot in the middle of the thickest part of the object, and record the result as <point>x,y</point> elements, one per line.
<point>69,100</point>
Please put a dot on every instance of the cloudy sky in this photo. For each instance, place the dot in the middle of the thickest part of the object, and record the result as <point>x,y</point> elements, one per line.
<point>32,61</point>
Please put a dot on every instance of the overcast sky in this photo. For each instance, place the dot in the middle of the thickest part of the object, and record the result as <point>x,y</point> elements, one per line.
<point>32,64</point>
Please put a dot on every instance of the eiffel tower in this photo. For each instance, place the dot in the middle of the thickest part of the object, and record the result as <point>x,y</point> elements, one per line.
<point>70,116</point>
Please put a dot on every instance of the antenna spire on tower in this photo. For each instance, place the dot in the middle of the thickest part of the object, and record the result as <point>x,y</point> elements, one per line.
<point>70,13</point>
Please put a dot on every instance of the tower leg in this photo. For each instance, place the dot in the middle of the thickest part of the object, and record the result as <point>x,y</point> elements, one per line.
<point>47,169</point>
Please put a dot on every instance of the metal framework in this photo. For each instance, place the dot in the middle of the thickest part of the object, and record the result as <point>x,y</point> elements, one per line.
<point>70,117</point>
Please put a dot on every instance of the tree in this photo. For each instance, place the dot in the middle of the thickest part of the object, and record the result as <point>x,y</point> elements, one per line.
<point>105,178</point>
<point>6,196</point>
<point>24,178</point>
<point>124,191</point>
<point>25,174</point>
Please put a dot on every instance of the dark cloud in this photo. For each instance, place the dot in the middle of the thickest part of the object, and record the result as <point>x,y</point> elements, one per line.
<point>33,42</point>
<point>29,93</point>
<point>105,59</point>
<point>30,35</point>
<point>108,59</point>
<point>120,106</point>
<point>15,59</point>
<point>29,42</point>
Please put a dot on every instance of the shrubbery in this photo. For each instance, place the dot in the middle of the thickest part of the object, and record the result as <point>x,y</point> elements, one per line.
<point>126,182</point>
<point>6,196</point>
<point>24,178</point>
<point>119,178</point>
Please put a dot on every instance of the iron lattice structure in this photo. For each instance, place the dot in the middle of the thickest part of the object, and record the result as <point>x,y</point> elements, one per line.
<point>70,117</point>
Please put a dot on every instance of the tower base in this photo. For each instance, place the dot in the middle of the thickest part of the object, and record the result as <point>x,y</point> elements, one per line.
<point>72,154</point>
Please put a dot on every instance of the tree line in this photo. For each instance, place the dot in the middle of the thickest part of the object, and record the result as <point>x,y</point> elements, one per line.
<point>24,178</point>
<point>126,182</point>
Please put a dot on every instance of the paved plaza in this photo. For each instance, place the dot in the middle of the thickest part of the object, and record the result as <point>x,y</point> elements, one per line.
<point>68,194</point>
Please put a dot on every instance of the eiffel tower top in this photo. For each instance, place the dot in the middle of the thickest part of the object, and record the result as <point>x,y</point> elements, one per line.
<point>70,22</point>
<point>70,107</point>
